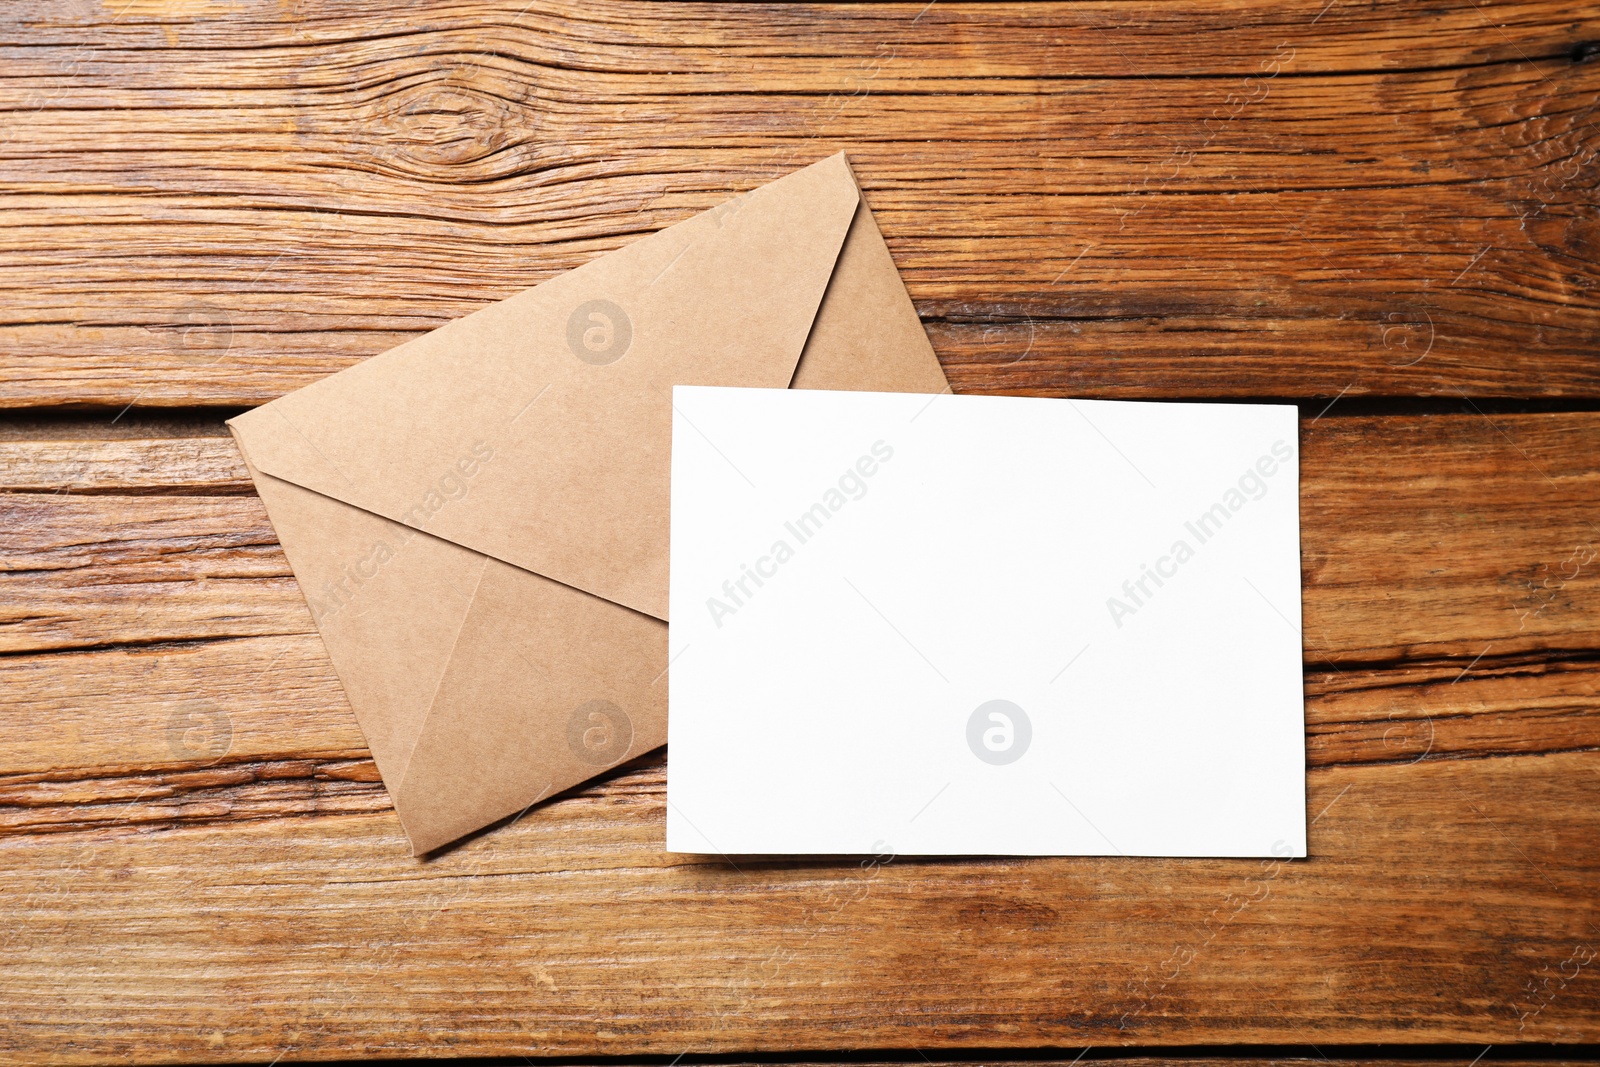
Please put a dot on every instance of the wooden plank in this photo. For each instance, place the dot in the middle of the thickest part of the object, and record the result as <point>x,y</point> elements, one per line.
<point>1094,198</point>
<point>209,465</point>
<point>259,729</point>
<point>96,735</point>
<point>1448,536</point>
<point>1443,710</point>
<point>1453,898</point>
<point>788,45</point>
<point>121,711</point>
<point>89,570</point>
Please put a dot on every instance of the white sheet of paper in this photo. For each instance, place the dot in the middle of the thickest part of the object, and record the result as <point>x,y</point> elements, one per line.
<point>983,625</point>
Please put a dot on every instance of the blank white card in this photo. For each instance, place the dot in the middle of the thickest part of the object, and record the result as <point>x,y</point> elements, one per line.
<point>978,625</point>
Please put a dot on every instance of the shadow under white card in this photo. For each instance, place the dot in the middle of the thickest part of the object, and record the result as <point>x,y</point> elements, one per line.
<point>970,625</point>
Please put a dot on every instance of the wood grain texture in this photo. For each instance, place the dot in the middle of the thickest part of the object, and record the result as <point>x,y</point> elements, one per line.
<point>208,203</point>
<point>186,792</point>
<point>215,204</point>
<point>1422,538</point>
<point>1437,899</point>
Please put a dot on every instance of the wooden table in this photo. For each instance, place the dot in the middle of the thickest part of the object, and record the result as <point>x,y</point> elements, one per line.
<point>1384,213</point>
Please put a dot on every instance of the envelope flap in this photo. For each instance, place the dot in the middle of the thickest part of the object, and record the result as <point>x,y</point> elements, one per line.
<point>538,429</point>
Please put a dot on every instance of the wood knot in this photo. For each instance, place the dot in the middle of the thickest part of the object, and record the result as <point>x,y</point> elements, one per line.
<point>448,118</point>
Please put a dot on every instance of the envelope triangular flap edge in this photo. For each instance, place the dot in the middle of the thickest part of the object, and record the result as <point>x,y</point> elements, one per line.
<point>538,430</point>
<point>387,600</point>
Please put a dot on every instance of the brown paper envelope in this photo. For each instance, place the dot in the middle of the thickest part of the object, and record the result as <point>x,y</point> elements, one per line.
<point>566,384</point>
<point>478,517</point>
